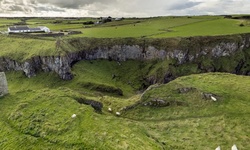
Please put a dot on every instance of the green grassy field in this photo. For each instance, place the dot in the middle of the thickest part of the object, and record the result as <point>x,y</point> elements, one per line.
<point>23,48</point>
<point>158,27</point>
<point>207,28</point>
<point>146,27</point>
<point>5,23</point>
<point>167,27</point>
<point>36,114</point>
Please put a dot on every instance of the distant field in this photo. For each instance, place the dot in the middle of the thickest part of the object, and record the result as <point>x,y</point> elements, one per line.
<point>140,28</point>
<point>207,28</point>
<point>158,27</point>
<point>4,23</point>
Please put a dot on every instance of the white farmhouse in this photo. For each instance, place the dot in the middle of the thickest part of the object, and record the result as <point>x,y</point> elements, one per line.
<point>18,29</point>
<point>27,29</point>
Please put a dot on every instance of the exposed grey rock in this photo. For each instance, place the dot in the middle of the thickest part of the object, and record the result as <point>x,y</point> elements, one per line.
<point>209,96</point>
<point>3,84</point>
<point>185,89</point>
<point>95,104</point>
<point>164,103</point>
<point>179,55</point>
<point>28,69</point>
<point>224,49</point>
<point>182,54</point>
<point>158,103</point>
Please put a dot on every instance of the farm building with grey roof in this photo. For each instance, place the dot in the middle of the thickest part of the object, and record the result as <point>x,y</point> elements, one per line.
<point>27,29</point>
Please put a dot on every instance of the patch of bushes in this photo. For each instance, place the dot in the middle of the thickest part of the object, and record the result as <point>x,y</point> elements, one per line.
<point>88,23</point>
<point>57,21</point>
<point>241,25</point>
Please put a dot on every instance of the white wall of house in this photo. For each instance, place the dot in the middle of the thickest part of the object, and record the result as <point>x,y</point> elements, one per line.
<point>45,29</point>
<point>13,31</point>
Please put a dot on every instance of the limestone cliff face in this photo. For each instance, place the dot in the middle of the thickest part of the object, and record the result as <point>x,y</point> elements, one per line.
<point>58,64</point>
<point>185,50</point>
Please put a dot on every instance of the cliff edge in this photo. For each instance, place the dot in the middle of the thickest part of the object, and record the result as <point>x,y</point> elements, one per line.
<point>216,53</point>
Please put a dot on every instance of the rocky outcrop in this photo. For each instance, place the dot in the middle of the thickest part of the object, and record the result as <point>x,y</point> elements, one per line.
<point>164,103</point>
<point>185,90</point>
<point>3,84</point>
<point>58,64</point>
<point>185,50</point>
<point>95,104</point>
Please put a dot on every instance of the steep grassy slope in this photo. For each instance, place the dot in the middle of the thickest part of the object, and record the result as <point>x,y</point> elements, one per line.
<point>37,112</point>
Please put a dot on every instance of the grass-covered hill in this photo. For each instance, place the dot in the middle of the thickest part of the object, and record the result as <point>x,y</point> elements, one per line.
<point>36,114</point>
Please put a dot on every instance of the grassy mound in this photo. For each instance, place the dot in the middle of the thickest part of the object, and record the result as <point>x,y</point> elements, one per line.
<point>201,123</point>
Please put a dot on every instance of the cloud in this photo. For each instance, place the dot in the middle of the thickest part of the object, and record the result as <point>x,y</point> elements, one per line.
<point>9,6</point>
<point>16,8</point>
<point>73,4</point>
<point>184,5</point>
<point>48,9</point>
<point>121,8</point>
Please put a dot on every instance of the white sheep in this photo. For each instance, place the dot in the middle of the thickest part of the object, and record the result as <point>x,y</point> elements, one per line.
<point>118,113</point>
<point>234,147</point>
<point>218,148</point>
<point>213,98</point>
<point>109,109</point>
<point>73,116</point>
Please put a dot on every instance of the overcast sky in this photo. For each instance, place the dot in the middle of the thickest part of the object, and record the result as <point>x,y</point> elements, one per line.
<point>121,8</point>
